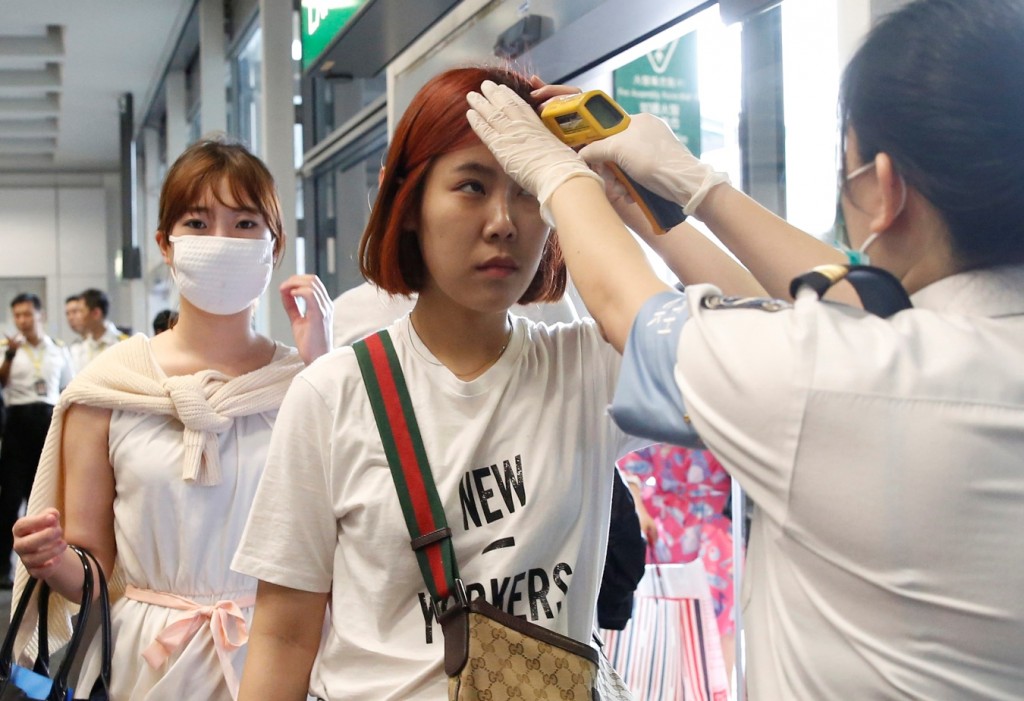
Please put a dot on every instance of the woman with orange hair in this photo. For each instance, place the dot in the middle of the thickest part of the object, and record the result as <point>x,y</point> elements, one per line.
<point>156,448</point>
<point>512,416</point>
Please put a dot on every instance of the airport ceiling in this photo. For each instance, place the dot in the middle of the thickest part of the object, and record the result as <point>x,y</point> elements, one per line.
<point>64,65</point>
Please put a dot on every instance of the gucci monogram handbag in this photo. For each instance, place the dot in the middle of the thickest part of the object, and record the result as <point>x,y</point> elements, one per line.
<point>488,654</point>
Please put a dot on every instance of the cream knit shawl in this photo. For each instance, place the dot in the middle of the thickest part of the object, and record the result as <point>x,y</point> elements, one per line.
<point>126,377</point>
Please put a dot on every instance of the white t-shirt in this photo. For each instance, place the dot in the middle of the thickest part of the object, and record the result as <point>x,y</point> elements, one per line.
<point>886,460</point>
<point>38,373</point>
<point>523,461</point>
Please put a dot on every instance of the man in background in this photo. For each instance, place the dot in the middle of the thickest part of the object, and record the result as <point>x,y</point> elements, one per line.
<point>74,312</point>
<point>98,333</point>
<point>35,369</point>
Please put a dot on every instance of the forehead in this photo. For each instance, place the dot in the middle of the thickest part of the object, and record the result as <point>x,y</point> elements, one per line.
<point>23,308</point>
<point>470,159</point>
<point>223,194</point>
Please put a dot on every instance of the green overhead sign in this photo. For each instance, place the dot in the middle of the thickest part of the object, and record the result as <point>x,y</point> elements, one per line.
<point>664,83</point>
<point>322,20</point>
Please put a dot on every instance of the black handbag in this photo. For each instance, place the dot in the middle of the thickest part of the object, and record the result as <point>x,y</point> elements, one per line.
<point>19,683</point>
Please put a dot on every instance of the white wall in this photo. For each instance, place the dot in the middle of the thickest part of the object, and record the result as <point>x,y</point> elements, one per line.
<point>58,233</point>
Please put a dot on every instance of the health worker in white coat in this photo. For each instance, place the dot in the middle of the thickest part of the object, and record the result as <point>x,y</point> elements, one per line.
<point>884,454</point>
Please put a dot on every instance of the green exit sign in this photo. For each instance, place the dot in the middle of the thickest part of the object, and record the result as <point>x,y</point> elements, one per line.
<point>322,20</point>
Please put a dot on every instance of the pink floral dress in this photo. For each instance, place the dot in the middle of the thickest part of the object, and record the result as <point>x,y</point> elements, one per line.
<point>685,491</point>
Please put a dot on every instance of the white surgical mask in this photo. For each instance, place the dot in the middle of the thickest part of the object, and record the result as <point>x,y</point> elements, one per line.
<point>219,274</point>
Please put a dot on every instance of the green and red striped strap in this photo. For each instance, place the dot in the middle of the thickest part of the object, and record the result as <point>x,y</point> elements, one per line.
<point>403,446</point>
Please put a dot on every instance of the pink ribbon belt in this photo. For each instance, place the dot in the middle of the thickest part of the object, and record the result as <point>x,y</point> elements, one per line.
<point>223,616</point>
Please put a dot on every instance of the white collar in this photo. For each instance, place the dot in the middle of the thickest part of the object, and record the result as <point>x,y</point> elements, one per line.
<point>990,292</point>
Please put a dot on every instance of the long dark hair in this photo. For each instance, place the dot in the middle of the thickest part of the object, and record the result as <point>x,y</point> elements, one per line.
<point>939,86</point>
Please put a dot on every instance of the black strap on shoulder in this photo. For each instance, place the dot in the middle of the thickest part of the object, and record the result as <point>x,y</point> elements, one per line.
<point>880,292</point>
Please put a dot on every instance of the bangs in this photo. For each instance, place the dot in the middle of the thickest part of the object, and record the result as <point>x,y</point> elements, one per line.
<point>199,173</point>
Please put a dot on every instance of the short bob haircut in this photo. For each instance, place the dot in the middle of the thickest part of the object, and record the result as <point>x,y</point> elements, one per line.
<point>198,173</point>
<point>433,125</point>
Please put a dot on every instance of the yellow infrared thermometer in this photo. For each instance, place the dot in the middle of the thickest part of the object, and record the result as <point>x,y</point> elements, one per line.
<point>586,117</point>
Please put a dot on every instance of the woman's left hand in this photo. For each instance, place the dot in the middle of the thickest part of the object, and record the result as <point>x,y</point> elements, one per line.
<point>312,329</point>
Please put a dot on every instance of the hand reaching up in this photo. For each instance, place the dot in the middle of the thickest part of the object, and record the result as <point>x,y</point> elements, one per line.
<point>311,326</point>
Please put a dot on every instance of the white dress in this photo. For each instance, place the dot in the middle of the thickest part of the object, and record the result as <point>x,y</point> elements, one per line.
<point>178,537</point>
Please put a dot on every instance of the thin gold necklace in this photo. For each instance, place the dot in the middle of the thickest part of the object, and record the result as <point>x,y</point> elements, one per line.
<point>460,375</point>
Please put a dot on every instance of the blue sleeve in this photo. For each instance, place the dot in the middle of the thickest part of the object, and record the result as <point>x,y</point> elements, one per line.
<point>647,401</point>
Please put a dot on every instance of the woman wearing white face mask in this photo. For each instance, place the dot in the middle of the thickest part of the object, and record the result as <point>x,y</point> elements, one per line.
<point>884,454</point>
<point>169,438</point>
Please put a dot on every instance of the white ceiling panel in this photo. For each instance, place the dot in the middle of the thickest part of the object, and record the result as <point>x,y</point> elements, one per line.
<point>64,65</point>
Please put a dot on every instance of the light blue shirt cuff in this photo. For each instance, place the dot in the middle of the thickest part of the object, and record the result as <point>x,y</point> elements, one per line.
<point>647,400</point>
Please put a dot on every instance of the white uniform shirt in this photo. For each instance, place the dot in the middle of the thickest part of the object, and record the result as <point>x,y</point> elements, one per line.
<point>38,373</point>
<point>365,308</point>
<point>87,348</point>
<point>523,460</point>
<point>886,460</point>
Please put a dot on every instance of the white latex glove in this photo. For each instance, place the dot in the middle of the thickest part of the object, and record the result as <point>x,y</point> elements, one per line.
<point>528,152</point>
<point>649,152</point>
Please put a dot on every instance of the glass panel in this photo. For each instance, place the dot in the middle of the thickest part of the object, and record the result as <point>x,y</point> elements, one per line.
<point>247,94</point>
<point>192,83</point>
<point>195,125</point>
<point>326,226</point>
<point>344,188</point>
<point>810,52</point>
<point>335,99</point>
<point>689,75</point>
